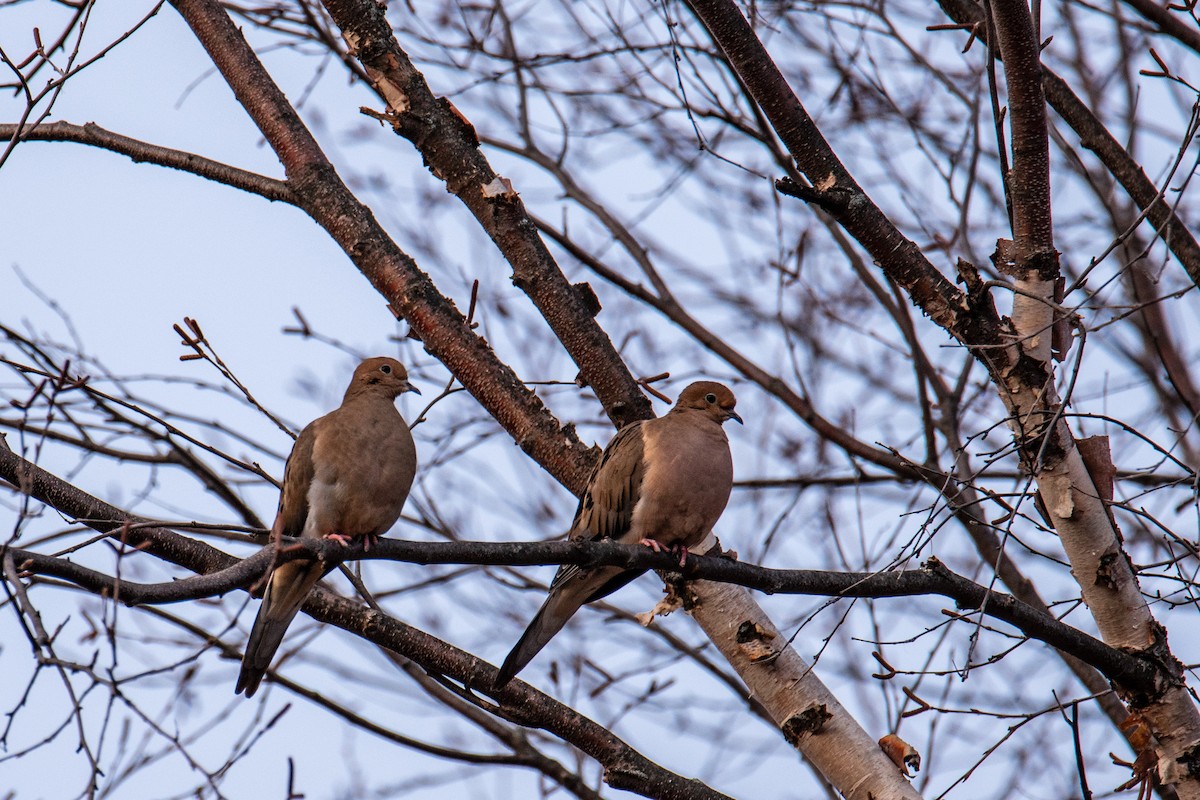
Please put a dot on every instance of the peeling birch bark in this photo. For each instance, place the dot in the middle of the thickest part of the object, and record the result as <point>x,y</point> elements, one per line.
<point>1077,509</point>
<point>807,713</point>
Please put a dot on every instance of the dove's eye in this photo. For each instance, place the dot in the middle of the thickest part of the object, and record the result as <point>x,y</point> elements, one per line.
<point>385,369</point>
<point>710,398</point>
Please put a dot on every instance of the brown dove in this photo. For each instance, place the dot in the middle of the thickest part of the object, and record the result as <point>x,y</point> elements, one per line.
<point>660,482</point>
<point>347,477</point>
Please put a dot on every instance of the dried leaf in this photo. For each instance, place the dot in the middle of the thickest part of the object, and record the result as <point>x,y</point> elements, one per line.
<point>671,602</point>
<point>902,754</point>
<point>1097,457</point>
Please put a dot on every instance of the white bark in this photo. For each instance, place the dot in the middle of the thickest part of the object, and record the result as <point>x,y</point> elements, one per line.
<point>808,714</point>
<point>1093,545</point>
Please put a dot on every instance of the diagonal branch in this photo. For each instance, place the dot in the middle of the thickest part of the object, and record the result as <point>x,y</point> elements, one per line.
<point>832,188</point>
<point>524,753</point>
<point>409,291</point>
<point>450,148</point>
<point>1161,15</point>
<point>1094,136</point>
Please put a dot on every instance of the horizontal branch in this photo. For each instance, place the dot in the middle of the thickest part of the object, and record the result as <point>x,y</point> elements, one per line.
<point>92,134</point>
<point>933,578</point>
<point>239,575</point>
<point>1179,480</point>
<point>138,533</point>
<point>624,766</point>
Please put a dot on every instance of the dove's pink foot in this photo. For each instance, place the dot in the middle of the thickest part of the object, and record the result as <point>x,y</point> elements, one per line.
<point>675,549</point>
<point>340,538</point>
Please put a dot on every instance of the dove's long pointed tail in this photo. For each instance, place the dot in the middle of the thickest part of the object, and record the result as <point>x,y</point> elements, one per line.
<point>289,585</point>
<point>566,597</point>
<point>559,607</point>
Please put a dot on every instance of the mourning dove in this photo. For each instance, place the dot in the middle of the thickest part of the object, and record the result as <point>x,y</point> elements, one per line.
<point>660,482</point>
<point>348,476</point>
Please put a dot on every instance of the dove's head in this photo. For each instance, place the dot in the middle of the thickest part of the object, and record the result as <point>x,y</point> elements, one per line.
<point>381,375</point>
<point>710,398</point>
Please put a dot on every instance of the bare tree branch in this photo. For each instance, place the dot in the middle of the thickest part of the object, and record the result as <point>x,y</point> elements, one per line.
<point>143,152</point>
<point>450,148</point>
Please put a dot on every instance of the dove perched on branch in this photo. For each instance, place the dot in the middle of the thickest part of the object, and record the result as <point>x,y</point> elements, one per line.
<point>347,477</point>
<point>662,483</point>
